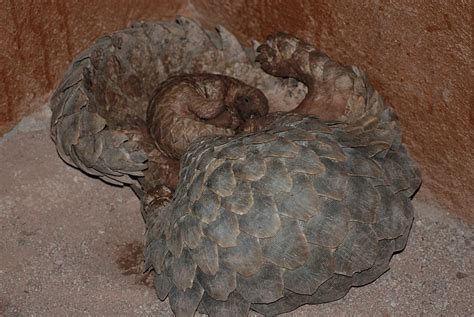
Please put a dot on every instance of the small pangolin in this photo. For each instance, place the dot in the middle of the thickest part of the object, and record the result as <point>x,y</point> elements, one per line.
<point>188,107</point>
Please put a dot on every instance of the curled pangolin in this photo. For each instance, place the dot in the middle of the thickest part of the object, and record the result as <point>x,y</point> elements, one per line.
<point>188,107</point>
<point>296,208</point>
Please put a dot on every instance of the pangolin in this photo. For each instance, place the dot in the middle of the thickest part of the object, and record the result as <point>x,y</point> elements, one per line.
<point>295,207</point>
<point>188,107</point>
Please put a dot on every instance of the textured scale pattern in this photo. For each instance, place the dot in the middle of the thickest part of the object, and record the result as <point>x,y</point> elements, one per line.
<point>99,109</point>
<point>278,222</point>
<point>297,210</point>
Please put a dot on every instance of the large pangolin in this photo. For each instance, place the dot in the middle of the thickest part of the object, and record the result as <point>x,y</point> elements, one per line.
<point>254,211</point>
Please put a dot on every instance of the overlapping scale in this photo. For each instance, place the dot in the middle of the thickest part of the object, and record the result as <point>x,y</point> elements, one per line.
<point>220,284</point>
<point>276,180</point>
<point>362,200</point>
<point>262,220</point>
<point>252,169</point>
<point>264,286</point>
<point>185,302</point>
<point>302,202</point>
<point>224,230</point>
<point>330,226</point>
<point>182,271</point>
<point>245,258</point>
<point>241,200</point>
<point>234,306</point>
<point>358,250</point>
<point>317,269</point>
<point>289,248</point>
<point>206,256</point>
<point>333,182</point>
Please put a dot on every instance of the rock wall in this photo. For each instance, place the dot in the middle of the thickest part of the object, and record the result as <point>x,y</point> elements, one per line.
<point>417,54</point>
<point>38,39</point>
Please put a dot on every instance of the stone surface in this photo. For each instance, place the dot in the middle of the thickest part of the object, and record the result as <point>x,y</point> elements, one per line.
<point>40,38</point>
<point>418,55</point>
<point>73,245</point>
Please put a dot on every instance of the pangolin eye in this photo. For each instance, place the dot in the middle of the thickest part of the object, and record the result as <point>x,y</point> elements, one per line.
<point>246,99</point>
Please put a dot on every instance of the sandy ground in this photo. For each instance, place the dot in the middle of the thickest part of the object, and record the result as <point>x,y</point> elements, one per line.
<point>72,245</point>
